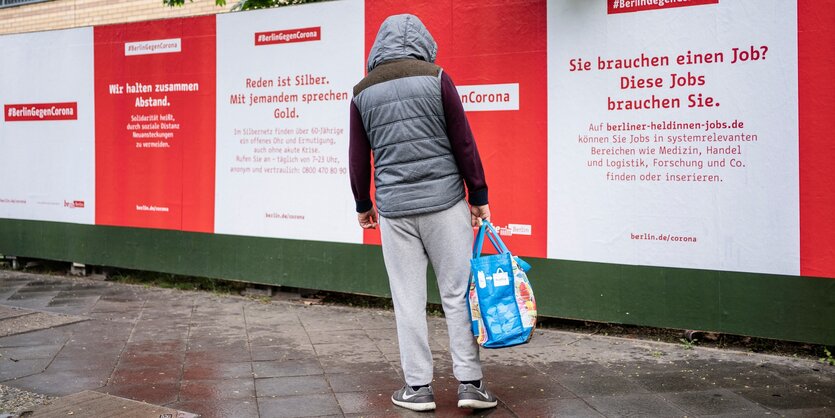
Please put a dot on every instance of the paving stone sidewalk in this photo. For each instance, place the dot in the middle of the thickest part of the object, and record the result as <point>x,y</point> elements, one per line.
<point>227,356</point>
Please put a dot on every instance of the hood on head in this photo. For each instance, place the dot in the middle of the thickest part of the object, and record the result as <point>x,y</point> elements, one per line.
<point>402,36</point>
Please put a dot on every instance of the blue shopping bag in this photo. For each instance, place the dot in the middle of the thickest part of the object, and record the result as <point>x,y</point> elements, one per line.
<point>501,301</point>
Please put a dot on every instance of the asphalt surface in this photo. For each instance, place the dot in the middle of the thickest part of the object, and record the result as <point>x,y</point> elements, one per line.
<point>229,356</point>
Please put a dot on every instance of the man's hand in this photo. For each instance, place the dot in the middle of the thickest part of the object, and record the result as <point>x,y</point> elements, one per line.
<point>477,213</point>
<point>368,220</point>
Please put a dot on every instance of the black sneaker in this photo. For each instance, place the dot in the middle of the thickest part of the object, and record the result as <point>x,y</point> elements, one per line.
<point>417,400</point>
<point>473,397</point>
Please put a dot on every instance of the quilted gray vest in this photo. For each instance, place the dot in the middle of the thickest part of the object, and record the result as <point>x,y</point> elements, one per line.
<point>400,102</point>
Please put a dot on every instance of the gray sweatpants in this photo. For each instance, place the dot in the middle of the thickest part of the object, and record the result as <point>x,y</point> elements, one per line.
<point>446,239</point>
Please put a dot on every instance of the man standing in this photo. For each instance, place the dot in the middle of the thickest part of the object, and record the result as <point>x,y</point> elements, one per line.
<point>407,112</point>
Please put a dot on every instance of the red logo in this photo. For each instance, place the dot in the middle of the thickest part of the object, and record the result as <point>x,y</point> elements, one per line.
<point>75,204</point>
<point>629,6</point>
<point>288,36</point>
<point>41,111</point>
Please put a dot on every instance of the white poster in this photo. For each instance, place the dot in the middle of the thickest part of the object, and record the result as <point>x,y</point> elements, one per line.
<point>285,80</point>
<point>47,143</point>
<point>673,136</point>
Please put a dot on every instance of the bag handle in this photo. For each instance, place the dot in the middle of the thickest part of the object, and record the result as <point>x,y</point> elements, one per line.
<point>495,239</point>
<point>493,235</point>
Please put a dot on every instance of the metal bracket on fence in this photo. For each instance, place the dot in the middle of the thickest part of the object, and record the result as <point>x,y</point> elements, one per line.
<point>258,291</point>
<point>78,269</point>
<point>12,260</point>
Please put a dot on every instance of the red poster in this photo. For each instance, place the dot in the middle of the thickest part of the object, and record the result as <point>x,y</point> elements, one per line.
<point>485,44</point>
<point>816,100</point>
<point>155,124</point>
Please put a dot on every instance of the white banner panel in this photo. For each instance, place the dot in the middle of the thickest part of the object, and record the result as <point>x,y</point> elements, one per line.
<point>47,128</point>
<point>673,136</point>
<point>285,80</point>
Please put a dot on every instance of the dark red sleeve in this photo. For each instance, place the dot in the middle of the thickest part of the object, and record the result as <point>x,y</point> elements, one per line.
<point>463,143</point>
<point>359,161</point>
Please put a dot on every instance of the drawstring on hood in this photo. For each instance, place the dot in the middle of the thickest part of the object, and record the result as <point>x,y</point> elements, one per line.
<point>399,37</point>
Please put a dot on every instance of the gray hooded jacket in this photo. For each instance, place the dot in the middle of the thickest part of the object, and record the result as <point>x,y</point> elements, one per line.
<point>400,103</point>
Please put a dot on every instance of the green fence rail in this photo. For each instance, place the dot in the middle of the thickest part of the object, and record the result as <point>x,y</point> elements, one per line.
<point>770,306</point>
